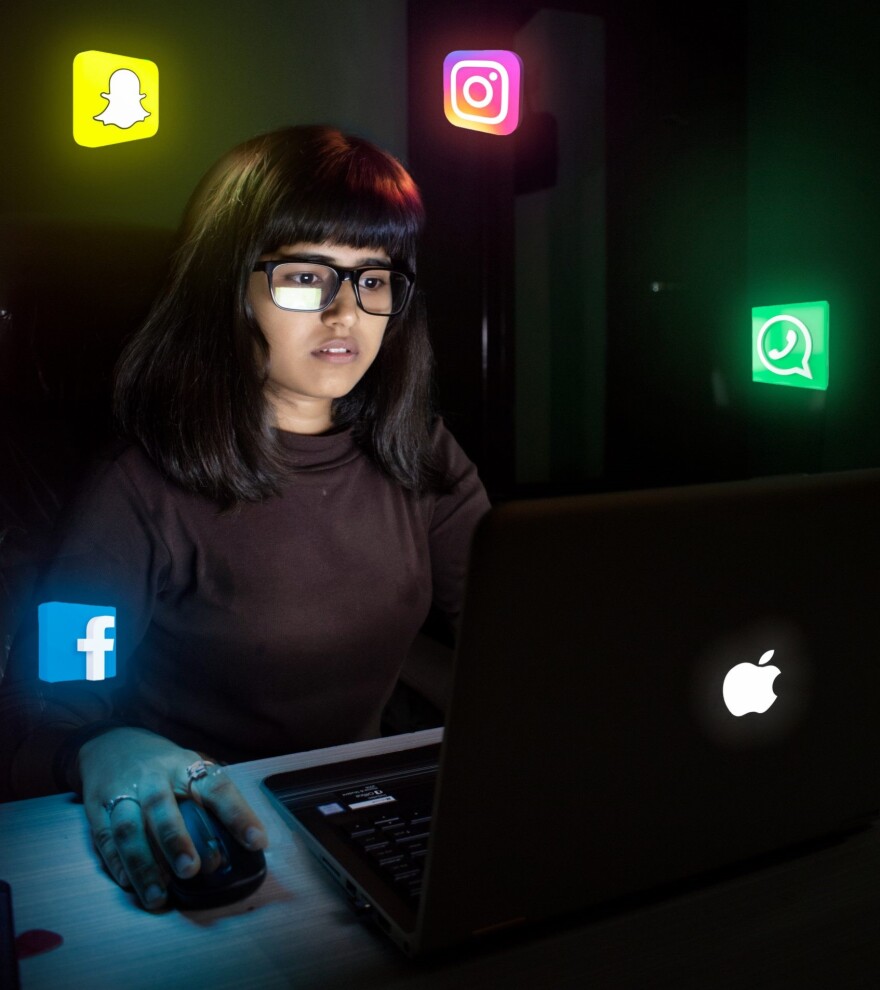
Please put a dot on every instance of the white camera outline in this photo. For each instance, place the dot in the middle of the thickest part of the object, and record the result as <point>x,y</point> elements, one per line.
<point>504,82</point>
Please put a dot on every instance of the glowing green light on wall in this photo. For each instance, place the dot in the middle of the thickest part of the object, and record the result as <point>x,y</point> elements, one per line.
<point>790,345</point>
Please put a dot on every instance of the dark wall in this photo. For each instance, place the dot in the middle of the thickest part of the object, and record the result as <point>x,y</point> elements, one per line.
<point>740,141</point>
<point>227,71</point>
<point>814,208</point>
<point>740,147</point>
<point>467,179</point>
<point>669,148</point>
<point>677,212</point>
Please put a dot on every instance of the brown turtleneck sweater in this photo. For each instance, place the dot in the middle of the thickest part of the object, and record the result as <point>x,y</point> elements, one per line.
<point>279,627</point>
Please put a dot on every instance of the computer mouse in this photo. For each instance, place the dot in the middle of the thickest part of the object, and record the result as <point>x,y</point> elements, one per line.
<point>239,872</point>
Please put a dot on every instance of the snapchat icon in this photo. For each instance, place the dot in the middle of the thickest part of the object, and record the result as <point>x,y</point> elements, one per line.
<point>115,99</point>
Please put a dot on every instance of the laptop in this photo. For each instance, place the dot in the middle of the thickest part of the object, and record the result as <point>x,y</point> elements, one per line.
<point>648,686</point>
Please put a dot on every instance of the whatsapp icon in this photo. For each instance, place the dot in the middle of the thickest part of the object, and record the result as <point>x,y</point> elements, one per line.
<point>790,345</point>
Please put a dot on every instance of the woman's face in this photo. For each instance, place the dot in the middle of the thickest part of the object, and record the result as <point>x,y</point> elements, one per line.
<point>316,357</point>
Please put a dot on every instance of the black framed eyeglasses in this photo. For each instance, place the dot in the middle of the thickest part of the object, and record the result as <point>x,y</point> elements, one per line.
<point>306,287</point>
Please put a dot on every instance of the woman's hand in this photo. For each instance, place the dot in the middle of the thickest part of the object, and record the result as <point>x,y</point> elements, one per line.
<point>141,839</point>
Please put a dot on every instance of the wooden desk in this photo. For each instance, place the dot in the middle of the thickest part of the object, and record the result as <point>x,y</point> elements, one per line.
<point>809,922</point>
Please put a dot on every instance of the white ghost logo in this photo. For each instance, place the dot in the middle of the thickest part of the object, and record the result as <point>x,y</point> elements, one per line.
<point>124,108</point>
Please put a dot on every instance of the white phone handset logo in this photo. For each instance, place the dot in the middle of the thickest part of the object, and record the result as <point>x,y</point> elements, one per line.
<point>775,354</point>
<point>778,353</point>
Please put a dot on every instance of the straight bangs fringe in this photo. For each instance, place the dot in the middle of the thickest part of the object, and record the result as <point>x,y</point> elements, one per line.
<point>360,218</point>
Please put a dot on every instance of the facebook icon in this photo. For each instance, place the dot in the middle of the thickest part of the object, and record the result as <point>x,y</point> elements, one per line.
<point>74,642</point>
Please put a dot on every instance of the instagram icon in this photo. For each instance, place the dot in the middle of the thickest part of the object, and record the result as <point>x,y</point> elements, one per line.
<point>481,90</point>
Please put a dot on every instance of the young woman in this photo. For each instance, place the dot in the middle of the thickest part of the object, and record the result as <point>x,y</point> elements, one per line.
<point>283,515</point>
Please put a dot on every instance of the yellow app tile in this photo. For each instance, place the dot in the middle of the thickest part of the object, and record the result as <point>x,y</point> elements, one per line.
<point>115,99</point>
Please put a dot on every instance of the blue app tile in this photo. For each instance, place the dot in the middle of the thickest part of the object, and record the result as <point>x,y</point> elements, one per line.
<point>77,642</point>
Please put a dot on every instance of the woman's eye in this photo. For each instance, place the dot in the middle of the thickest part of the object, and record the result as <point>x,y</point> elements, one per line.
<point>302,278</point>
<point>372,282</point>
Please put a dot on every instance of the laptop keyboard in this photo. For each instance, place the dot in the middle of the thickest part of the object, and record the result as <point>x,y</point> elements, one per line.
<point>396,844</point>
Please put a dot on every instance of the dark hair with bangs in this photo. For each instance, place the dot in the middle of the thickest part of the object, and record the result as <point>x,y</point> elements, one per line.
<point>189,384</point>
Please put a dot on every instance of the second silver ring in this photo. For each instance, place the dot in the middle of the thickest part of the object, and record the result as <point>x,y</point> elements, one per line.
<point>198,771</point>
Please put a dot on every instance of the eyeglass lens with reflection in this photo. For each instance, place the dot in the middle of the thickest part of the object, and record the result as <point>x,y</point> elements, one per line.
<point>309,288</point>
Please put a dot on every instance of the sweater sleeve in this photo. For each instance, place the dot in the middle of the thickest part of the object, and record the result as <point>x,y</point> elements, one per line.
<point>108,553</point>
<point>454,519</point>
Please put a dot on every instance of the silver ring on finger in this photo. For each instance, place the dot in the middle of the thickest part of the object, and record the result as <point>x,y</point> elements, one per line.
<point>198,771</point>
<point>111,804</point>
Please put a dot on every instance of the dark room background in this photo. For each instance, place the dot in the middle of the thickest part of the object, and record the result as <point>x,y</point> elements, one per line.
<point>589,279</point>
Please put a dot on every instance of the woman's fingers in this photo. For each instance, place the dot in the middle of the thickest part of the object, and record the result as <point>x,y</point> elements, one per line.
<point>102,835</point>
<point>135,836</point>
<point>128,841</point>
<point>166,826</point>
<point>217,792</point>
<point>131,804</point>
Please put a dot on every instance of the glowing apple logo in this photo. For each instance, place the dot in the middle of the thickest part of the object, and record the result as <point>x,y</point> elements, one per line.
<point>748,687</point>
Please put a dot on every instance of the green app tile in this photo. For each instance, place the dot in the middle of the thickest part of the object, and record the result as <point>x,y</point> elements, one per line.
<point>790,345</point>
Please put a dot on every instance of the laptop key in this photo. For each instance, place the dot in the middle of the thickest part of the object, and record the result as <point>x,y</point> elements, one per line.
<point>384,820</point>
<point>402,876</point>
<point>360,832</point>
<point>391,861</point>
<point>377,844</point>
<point>407,836</point>
<point>393,828</point>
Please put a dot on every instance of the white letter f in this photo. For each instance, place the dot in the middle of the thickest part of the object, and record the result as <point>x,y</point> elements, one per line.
<point>95,646</point>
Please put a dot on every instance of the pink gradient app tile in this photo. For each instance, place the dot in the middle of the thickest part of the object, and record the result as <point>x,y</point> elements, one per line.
<point>481,90</point>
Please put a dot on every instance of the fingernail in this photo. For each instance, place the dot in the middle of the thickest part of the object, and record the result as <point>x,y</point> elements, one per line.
<point>183,864</point>
<point>153,894</point>
<point>255,838</point>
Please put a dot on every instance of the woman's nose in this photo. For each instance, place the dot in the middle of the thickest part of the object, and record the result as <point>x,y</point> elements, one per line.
<point>344,306</point>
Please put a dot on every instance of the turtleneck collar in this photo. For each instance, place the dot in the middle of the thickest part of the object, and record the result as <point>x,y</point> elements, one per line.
<point>320,452</point>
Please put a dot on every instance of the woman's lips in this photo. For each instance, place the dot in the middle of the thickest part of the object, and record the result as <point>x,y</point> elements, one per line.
<point>338,351</point>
